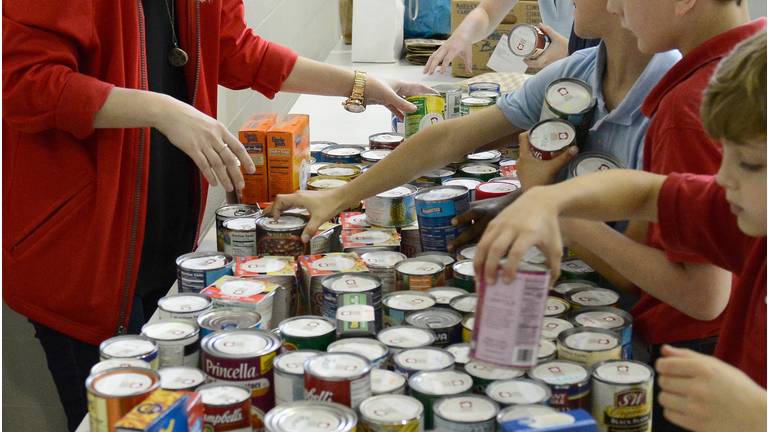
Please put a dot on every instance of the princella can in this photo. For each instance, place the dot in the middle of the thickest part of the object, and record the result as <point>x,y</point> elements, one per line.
<point>509,318</point>
<point>375,351</point>
<point>397,304</point>
<point>176,342</point>
<point>197,270</point>
<point>115,392</point>
<point>391,413</point>
<point>240,237</point>
<point>311,416</point>
<point>382,264</point>
<point>429,386</point>
<point>452,95</point>
<point>568,381</point>
<point>622,394</point>
<point>226,408</point>
<point>228,318</point>
<point>308,332</point>
<point>181,378</point>
<point>229,212</point>
<point>283,237</point>
<point>130,347</point>
<point>289,375</point>
<point>550,138</point>
<point>519,391</point>
<point>435,208</point>
<point>400,338</point>
<point>384,381</point>
<point>244,356</point>
<point>444,322</point>
<point>343,378</point>
<point>385,141</point>
<point>587,345</point>
<point>484,374</point>
<point>570,99</point>
<point>463,413</point>
<point>607,318</point>
<point>419,274</point>
<point>430,109</point>
<point>393,208</point>
<point>526,40</point>
<point>185,306</point>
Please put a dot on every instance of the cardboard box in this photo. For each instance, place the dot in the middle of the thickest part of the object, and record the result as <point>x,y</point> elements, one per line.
<point>253,135</point>
<point>572,421</point>
<point>257,295</point>
<point>280,270</point>
<point>354,240</point>
<point>314,268</point>
<point>524,12</point>
<point>162,411</point>
<point>288,155</point>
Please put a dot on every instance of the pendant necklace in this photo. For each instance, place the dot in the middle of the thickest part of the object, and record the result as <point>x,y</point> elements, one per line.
<point>177,57</point>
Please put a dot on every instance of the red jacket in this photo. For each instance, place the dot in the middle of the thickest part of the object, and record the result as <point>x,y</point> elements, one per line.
<point>74,198</point>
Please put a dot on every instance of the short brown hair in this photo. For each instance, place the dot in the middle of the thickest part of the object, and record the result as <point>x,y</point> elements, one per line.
<point>733,107</point>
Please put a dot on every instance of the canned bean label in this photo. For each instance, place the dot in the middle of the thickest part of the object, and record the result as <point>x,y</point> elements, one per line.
<point>310,416</point>
<point>197,270</point>
<point>518,392</point>
<point>387,413</point>
<point>587,346</point>
<point>387,382</point>
<point>430,109</point>
<point>622,396</point>
<point>240,236</point>
<point>343,378</point>
<point>289,375</point>
<point>229,212</point>
<point>569,382</point>
<point>435,207</point>
<point>550,138</point>
<point>465,412</point>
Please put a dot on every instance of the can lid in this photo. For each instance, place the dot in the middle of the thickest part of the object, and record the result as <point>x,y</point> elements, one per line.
<point>326,182</point>
<point>181,303</point>
<point>442,193</point>
<point>555,306</point>
<point>113,363</point>
<point>476,101</point>
<point>553,326</point>
<point>466,408</point>
<point>460,352</point>
<point>180,377</point>
<point>518,391</point>
<point>406,337</point>
<point>377,154</point>
<point>552,135</point>
<point>447,88</point>
<point>443,295</point>
<point>433,318</point>
<point>308,416</point>
<point>307,326</point>
<point>439,173</point>
<point>332,262</point>
<point>339,170</point>
<point>385,381</point>
<point>406,300</point>
<point>337,365</point>
<point>466,303</point>
<point>127,346</point>
<point>240,224</point>
<point>286,222</point>
<point>469,322</point>
<point>469,183</point>
<point>170,330</point>
<point>391,409</point>
<point>370,236</point>
<point>241,287</point>
<point>523,40</point>
<point>419,267</point>
<point>238,210</point>
<point>207,261</point>
<point>565,286</point>
<point>468,252</point>
<point>123,383</point>
<point>593,297</point>
<point>498,187</point>
<point>589,339</point>
<point>264,265</point>
<point>440,382</point>
<point>491,372</point>
<point>222,394</point>
<point>316,146</point>
<point>534,255</point>
<point>464,268</point>
<point>569,96</point>
<point>622,371</point>
<point>516,412</point>
<point>240,343</point>
<point>351,282</point>
<point>600,319</point>
<point>478,168</point>
<point>292,362</point>
<point>386,138</point>
<point>560,372</point>
<point>489,94</point>
<point>229,318</point>
<point>444,257</point>
<point>399,191</point>
<point>382,259</point>
<point>427,358</point>
<point>596,162</point>
<point>342,150</point>
<point>546,349</point>
<point>371,349</point>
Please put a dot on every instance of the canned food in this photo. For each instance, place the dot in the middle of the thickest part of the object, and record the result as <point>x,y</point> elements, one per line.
<point>460,353</point>
<point>552,327</point>
<point>562,287</point>
<point>382,264</point>
<point>587,163</point>
<point>568,381</point>
<point>226,407</point>
<point>592,297</point>
<point>622,394</point>
<point>446,258</point>
<point>385,141</point>
<point>361,241</point>
<point>372,156</point>
<point>444,322</point>
<point>316,148</point>
<point>244,357</point>
<point>519,391</point>
<point>464,276</point>
<point>341,154</point>
<point>487,94</point>
<point>230,291</point>
<point>527,40</point>
<point>181,378</point>
<point>487,157</point>
<point>176,342</point>
<point>228,318</point>
<point>289,375</point>
<point>316,166</point>
<point>115,392</point>
<point>324,182</point>
<point>435,208</point>
<point>464,304</point>
<point>343,378</point>
<point>547,350</point>
<point>483,374</point>
<point>467,252</point>
<point>119,363</point>
<point>430,109</point>
<point>231,211</point>
<point>337,284</point>
<point>349,171</point>
<point>197,270</point>
<point>311,416</point>
<point>429,386</point>
<point>129,347</point>
<point>397,304</point>
<point>469,183</point>
<point>414,360</point>
<point>556,307</point>
<point>465,413</point>
<point>438,176</point>
<point>480,171</point>
<point>393,208</point>
<point>550,138</point>
<point>309,332</point>
<point>494,189</point>
<point>472,104</point>
<point>240,236</point>
<point>587,345</point>
<point>375,351</point>
<point>483,86</point>
<point>354,220</point>
<point>443,295</point>
<point>452,95</point>
<point>570,99</point>
<point>516,412</point>
<point>418,274</point>
<point>607,318</point>
<point>578,269</point>
<point>186,306</point>
<point>385,381</point>
<point>467,327</point>
<point>283,237</point>
<point>398,126</point>
<point>390,413</point>
<point>401,338</point>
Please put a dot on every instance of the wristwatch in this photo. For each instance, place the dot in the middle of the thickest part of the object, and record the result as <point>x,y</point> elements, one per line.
<point>356,102</point>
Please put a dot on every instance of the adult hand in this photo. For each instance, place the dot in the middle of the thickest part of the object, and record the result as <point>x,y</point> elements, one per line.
<point>481,212</point>
<point>321,205</point>
<point>533,171</point>
<point>558,49</point>
<point>390,93</point>
<point>704,394</point>
<point>457,45</point>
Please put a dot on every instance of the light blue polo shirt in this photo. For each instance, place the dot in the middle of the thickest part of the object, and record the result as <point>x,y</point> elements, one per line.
<point>620,132</point>
<point>557,14</point>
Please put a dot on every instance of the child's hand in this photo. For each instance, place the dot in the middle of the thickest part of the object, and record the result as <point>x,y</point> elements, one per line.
<point>704,394</point>
<point>533,171</point>
<point>558,49</point>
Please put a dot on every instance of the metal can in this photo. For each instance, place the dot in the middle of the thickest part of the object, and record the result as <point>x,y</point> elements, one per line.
<point>494,189</point>
<point>444,322</point>
<point>343,378</point>
<point>483,86</point>
<point>452,95</point>
<point>197,270</point>
<point>592,297</point>
<point>519,391</point>
<point>430,109</point>
<point>587,345</point>
<point>231,211</point>
<point>527,40</point>
<point>607,318</point>
<point>467,327</point>
<point>226,408</point>
<point>552,327</point>
<point>570,99</point>
<point>418,274</point>
<point>385,381</point>
<point>587,163</point>
<point>341,154</point>
<point>438,176</point>
<point>472,104</point>
<point>176,342</point>
<point>464,304</point>
<point>119,363</point>
<point>547,350</point>
<point>464,276</point>
<point>385,141</point>
<point>578,269</point>
<point>391,413</point>
<point>512,181</point>
<point>244,357</point>
<point>550,138</point>
<point>446,258</point>
<point>349,171</point>
<point>324,182</point>
<point>483,374</point>
<point>401,338</point>
<point>411,361</point>
<point>443,295</point>
<point>516,412</point>
<point>488,94</point>
<point>339,283</point>
<point>308,332</point>
<point>488,157</point>
<point>556,307</point>
<point>429,386</point>
<point>435,207</point>
<point>185,306</point>
<point>568,381</point>
<point>289,375</point>
<point>469,183</point>
<point>622,394</point>
<point>393,208</point>
<point>240,237</point>
<point>460,353</point>
<point>113,393</point>
<point>310,416</point>
<point>382,264</point>
<point>316,148</point>
<point>316,166</point>
<point>181,378</point>
<point>370,157</point>
<point>465,413</point>
<point>467,252</point>
<point>129,347</point>
<point>228,318</point>
<point>397,304</point>
<point>562,287</point>
<point>283,237</point>
<point>375,351</point>
<point>480,171</point>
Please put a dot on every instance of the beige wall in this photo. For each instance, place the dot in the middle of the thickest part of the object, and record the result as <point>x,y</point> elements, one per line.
<point>309,27</point>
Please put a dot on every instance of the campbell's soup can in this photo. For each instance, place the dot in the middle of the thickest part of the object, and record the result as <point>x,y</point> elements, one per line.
<point>518,391</point>
<point>569,382</point>
<point>115,392</point>
<point>550,138</point>
<point>465,413</point>
<point>391,413</point>
<point>570,99</point>
<point>130,347</point>
<point>289,375</point>
<point>607,318</point>
<point>244,357</point>
<point>444,322</point>
<point>452,95</point>
<point>197,270</point>
<point>385,140</point>
<point>343,378</point>
<point>308,332</point>
<point>226,407</point>
<point>311,416</point>
<point>527,40</point>
<point>587,345</point>
<point>430,109</point>
<point>384,381</point>
<point>429,386</point>
<point>435,208</point>
<point>622,394</point>
<point>186,306</point>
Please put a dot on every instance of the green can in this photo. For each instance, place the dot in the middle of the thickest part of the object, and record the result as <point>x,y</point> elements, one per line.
<point>308,332</point>
<point>430,109</point>
<point>429,386</point>
<point>471,104</point>
<point>578,269</point>
<point>438,176</point>
<point>483,374</point>
<point>464,304</point>
<point>464,276</point>
<point>480,171</point>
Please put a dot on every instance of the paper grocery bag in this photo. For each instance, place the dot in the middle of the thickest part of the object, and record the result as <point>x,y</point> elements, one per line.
<point>377,31</point>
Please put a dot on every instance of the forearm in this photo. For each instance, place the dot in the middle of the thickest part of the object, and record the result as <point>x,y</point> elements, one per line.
<point>129,108</point>
<point>484,19</point>
<point>606,271</point>
<point>312,77</point>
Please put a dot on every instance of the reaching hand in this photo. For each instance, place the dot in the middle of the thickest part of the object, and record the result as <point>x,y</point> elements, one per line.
<point>321,205</point>
<point>558,49</point>
<point>456,45</point>
<point>533,171</point>
<point>390,93</point>
<point>481,212</point>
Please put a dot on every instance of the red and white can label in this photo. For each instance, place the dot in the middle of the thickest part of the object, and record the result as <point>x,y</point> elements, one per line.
<point>346,392</point>
<point>226,409</point>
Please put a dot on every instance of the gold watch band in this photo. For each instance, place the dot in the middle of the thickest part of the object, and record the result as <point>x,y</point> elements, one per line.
<point>358,89</point>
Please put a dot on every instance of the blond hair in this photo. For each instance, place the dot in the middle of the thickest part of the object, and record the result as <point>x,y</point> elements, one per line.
<point>734,104</point>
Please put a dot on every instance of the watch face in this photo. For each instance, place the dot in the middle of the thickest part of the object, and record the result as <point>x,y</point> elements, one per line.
<point>354,107</point>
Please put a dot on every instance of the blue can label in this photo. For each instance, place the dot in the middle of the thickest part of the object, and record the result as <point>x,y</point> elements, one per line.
<point>435,227</point>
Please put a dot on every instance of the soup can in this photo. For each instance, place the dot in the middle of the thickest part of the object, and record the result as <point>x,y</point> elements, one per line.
<point>484,374</point>
<point>443,295</point>
<point>228,318</point>
<point>452,95</point>
<point>119,363</point>
<point>467,182</point>
<point>444,322</point>
<point>349,171</point>
<point>382,264</point>
<point>607,318</point>
<point>283,237</point>
<point>197,270</point>
<point>244,357</point>
<point>341,154</point>
<point>308,332</point>
<point>465,413</point>
<point>391,413</point>
<point>562,287</point>
<point>472,104</point>
<point>185,306</point>
<point>177,342</point>
<point>622,394</point>
<point>527,40</point>
<point>547,350</point>
<point>181,378</point>
<point>314,166</point>
<point>550,138</point>
<point>464,276</point>
<point>483,86</point>
<point>578,269</point>
<point>464,304</point>
<point>552,327</point>
<point>385,141</point>
<point>316,148</point>
<point>438,176</point>
<point>289,375</point>
<point>130,347</point>
<point>467,327</point>
<point>240,237</point>
<point>518,391</point>
<point>324,182</point>
<point>375,351</point>
<point>401,338</point>
<point>226,407</point>
<point>311,416</point>
<point>516,412</point>
<point>568,381</point>
<point>411,361</point>
<point>115,392</point>
<point>435,208</point>
<point>467,252</point>
<point>447,258</point>
<point>343,378</point>
<point>430,109</point>
<point>480,171</point>
<point>556,307</point>
<point>397,304</point>
<point>587,345</point>
<point>393,208</point>
<point>592,297</point>
<point>340,283</point>
<point>418,274</point>
<point>460,353</point>
<point>385,381</point>
<point>370,157</point>
<point>429,386</point>
<point>570,99</point>
<point>492,157</point>
<point>587,163</point>
<point>487,94</point>
<point>493,189</point>
<point>231,211</point>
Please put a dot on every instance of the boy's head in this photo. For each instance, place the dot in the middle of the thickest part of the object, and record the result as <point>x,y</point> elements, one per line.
<point>734,112</point>
<point>591,20</point>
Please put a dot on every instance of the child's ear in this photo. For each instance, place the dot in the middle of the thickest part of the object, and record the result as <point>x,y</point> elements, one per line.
<point>683,6</point>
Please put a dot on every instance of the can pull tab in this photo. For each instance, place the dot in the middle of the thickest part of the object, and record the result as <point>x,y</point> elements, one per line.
<point>434,324</point>
<point>229,326</point>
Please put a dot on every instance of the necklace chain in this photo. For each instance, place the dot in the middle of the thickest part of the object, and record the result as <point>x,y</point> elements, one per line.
<point>177,57</point>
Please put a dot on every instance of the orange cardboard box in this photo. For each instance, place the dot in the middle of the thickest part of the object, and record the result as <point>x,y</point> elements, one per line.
<point>288,155</point>
<point>253,135</point>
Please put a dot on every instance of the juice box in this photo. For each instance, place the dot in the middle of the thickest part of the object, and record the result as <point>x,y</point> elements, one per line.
<point>288,155</point>
<point>253,135</point>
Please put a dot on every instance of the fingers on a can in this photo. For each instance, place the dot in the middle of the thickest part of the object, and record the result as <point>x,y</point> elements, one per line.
<point>311,229</point>
<point>466,217</point>
<point>496,252</point>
